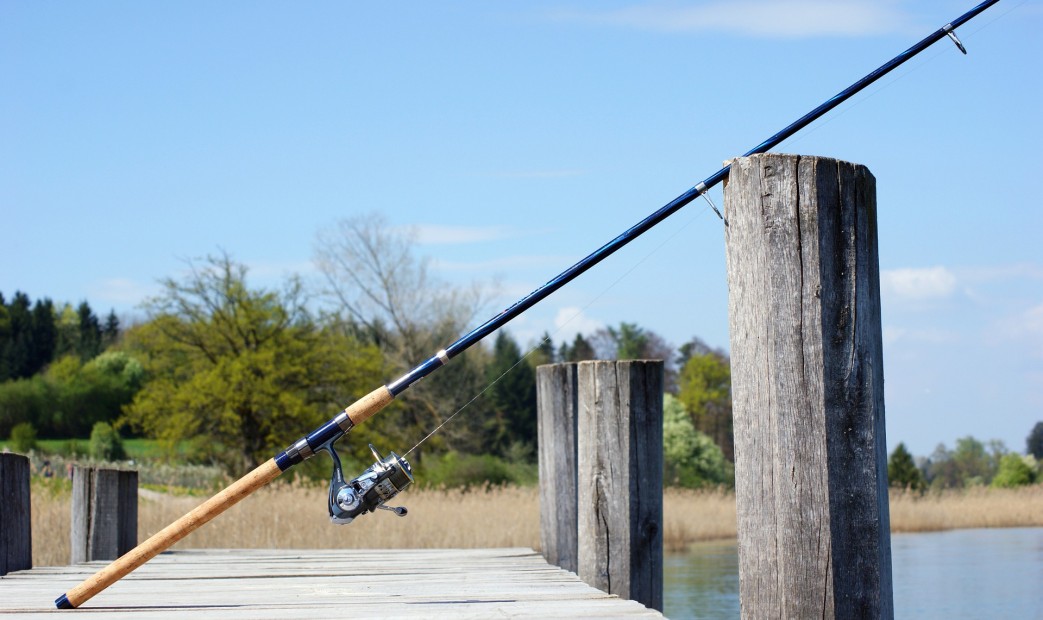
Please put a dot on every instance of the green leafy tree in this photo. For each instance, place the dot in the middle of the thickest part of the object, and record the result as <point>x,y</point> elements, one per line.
<point>105,443</point>
<point>242,371</point>
<point>630,341</point>
<point>67,322</point>
<point>542,353</point>
<point>70,396</point>
<point>706,392</point>
<point>1034,442</point>
<point>902,472</point>
<point>971,463</point>
<point>1015,470</point>
<point>690,458</point>
<point>23,437</point>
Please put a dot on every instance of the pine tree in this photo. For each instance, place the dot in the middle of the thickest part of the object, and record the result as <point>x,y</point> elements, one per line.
<point>579,351</point>
<point>5,339</point>
<point>1034,442</point>
<point>89,331</point>
<point>902,472</point>
<point>17,349</point>
<point>111,332</point>
<point>45,336</point>
<point>513,396</point>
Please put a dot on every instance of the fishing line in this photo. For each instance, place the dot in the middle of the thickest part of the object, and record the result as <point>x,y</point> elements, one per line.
<point>675,232</point>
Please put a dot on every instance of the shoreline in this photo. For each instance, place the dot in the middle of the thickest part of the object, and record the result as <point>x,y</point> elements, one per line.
<point>293,516</point>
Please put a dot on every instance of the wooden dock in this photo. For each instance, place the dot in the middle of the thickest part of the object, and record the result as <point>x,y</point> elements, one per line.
<point>370,583</point>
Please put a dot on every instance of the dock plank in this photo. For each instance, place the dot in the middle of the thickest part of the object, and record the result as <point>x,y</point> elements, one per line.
<point>262,583</point>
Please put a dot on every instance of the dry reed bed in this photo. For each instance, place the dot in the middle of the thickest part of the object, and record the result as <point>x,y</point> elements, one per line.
<point>975,507</point>
<point>293,516</point>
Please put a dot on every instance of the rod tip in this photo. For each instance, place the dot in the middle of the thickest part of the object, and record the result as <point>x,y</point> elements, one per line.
<point>62,602</point>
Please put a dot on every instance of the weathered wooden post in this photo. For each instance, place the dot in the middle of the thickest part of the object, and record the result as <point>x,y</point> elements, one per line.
<point>808,389</point>
<point>16,540</point>
<point>620,476</point>
<point>104,513</point>
<point>557,411</point>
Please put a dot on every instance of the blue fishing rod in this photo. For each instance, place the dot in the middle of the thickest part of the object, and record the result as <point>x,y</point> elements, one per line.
<point>389,475</point>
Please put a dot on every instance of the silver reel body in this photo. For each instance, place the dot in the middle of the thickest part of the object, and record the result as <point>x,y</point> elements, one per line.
<point>368,491</point>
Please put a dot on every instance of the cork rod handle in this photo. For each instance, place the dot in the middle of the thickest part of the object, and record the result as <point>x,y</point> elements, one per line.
<point>169,535</point>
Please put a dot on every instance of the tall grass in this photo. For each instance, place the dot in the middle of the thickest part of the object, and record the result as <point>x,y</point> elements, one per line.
<point>293,516</point>
<point>974,507</point>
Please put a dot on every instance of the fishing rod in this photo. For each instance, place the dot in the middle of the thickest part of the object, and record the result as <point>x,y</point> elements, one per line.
<point>390,475</point>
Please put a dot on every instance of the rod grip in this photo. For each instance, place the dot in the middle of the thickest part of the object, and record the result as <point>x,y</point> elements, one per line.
<point>169,535</point>
<point>364,408</point>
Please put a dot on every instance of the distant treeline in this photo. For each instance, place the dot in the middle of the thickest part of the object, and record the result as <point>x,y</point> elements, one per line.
<point>231,374</point>
<point>32,335</point>
<point>56,374</point>
<point>971,463</point>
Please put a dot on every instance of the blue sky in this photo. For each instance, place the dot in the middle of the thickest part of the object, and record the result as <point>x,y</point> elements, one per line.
<point>518,137</point>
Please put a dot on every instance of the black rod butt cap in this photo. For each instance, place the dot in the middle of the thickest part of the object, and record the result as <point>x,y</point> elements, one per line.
<point>62,602</point>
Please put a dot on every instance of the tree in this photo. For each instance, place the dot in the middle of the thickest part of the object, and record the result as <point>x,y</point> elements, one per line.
<point>89,342</point>
<point>690,458</point>
<point>631,341</point>
<point>44,336</point>
<point>105,443</point>
<point>386,295</point>
<point>542,353</point>
<point>5,339</point>
<point>1015,470</point>
<point>902,472</point>
<point>67,323</point>
<point>706,392</point>
<point>969,464</point>
<point>1034,442</point>
<point>580,350</point>
<point>110,333</point>
<point>511,427</point>
<point>242,372</point>
<point>23,437</point>
<point>16,349</point>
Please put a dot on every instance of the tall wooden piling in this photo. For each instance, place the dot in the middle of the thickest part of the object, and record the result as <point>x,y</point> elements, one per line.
<point>557,411</point>
<point>620,478</point>
<point>104,522</point>
<point>808,390</point>
<point>16,541</point>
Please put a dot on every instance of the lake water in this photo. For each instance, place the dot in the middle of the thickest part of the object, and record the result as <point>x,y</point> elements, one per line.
<point>955,575</point>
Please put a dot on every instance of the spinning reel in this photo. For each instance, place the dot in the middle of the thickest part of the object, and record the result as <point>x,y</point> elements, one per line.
<point>368,491</point>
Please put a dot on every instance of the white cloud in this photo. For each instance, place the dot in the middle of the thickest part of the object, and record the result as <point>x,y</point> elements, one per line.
<point>931,336</point>
<point>1025,329</point>
<point>571,320</point>
<point>918,284</point>
<point>434,234</point>
<point>759,18</point>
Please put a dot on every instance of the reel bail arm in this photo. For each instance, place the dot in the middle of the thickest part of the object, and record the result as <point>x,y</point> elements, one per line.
<point>367,492</point>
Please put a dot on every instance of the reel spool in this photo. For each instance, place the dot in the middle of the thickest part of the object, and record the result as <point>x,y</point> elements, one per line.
<point>368,491</point>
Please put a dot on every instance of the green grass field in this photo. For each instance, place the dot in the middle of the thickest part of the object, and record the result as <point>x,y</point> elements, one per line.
<point>137,449</point>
